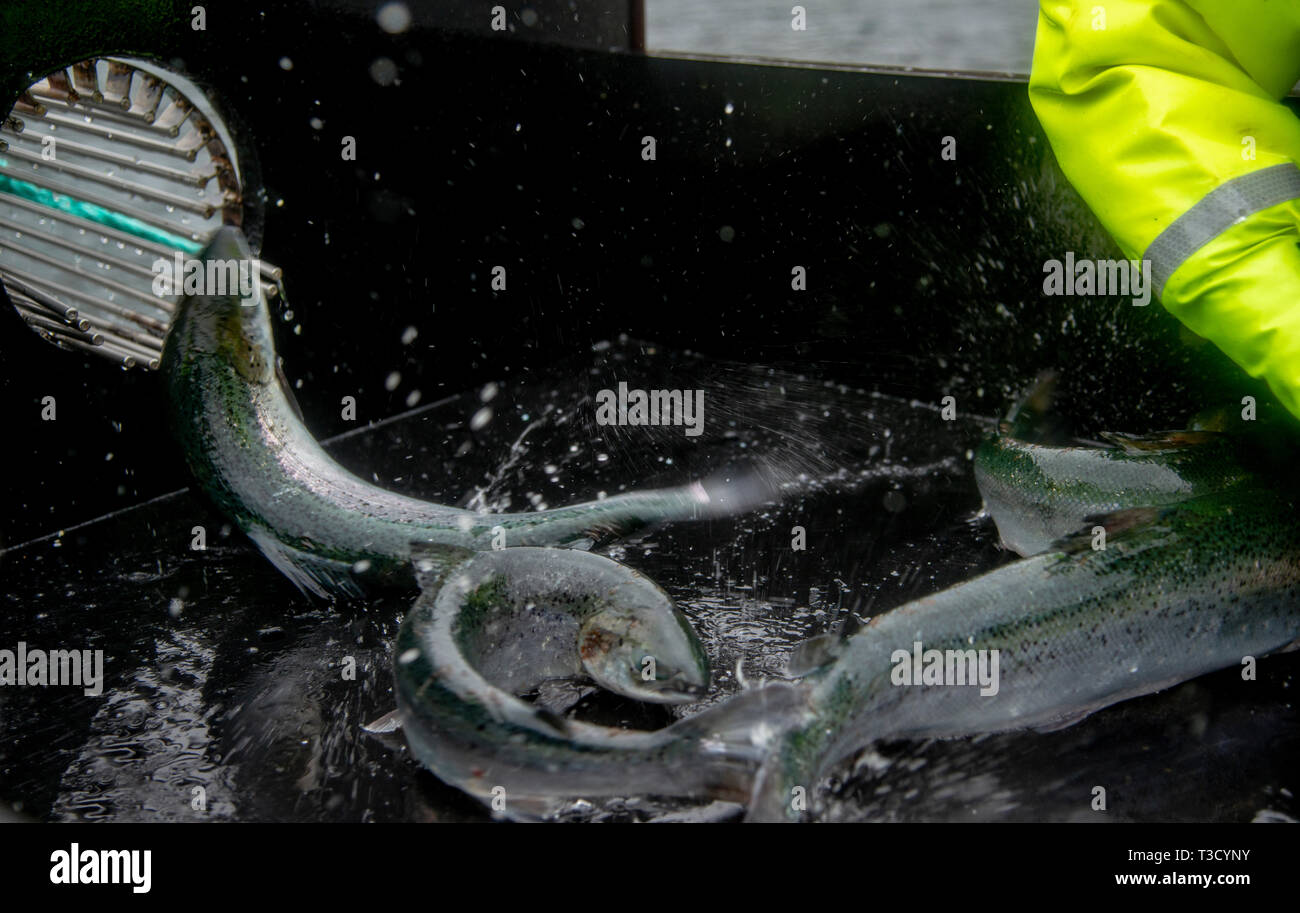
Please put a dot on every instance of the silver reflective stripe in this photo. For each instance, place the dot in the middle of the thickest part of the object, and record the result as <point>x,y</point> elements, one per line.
<point>1219,210</point>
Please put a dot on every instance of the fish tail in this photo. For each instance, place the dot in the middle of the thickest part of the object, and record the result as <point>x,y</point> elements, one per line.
<point>735,739</point>
<point>722,494</point>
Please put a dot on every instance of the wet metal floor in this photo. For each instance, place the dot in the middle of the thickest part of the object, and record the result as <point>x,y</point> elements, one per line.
<point>227,689</point>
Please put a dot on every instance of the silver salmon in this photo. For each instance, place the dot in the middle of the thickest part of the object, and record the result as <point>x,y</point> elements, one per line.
<point>319,524</point>
<point>508,620</point>
<point>1179,591</point>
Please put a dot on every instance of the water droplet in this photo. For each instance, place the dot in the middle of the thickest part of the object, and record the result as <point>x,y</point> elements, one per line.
<point>383,71</point>
<point>394,18</point>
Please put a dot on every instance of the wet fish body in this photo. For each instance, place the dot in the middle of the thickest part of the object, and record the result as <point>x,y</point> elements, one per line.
<point>1179,591</point>
<point>506,621</point>
<point>1038,493</point>
<point>322,526</point>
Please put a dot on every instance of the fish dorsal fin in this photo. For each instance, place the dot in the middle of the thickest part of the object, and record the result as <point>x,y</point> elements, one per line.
<point>1160,441</point>
<point>813,653</point>
<point>1115,523</point>
<point>389,722</point>
<point>1216,418</point>
<point>818,651</point>
<point>1033,417</point>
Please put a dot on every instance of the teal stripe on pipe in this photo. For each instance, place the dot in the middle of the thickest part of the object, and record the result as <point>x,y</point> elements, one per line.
<point>94,213</point>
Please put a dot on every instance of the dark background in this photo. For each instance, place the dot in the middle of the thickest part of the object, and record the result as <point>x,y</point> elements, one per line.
<point>924,275</point>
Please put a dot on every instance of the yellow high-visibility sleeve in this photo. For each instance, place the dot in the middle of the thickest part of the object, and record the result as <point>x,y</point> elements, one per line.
<point>1165,116</point>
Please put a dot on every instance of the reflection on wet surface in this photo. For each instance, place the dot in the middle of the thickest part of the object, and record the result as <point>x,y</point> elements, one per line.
<point>229,695</point>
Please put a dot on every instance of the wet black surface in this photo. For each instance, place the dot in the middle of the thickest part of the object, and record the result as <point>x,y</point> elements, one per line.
<point>221,676</point>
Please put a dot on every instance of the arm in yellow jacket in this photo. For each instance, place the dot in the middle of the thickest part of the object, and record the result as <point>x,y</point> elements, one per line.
<point>1165,116</point>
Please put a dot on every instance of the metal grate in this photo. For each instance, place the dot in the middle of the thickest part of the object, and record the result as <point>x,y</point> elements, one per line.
<point>105,168</point>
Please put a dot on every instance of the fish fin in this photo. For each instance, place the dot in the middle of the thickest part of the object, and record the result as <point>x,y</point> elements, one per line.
<point>559,695</point>
<point>287,390</point>
<point>1032,417</point>
<point>389,722</point>
<point>813,653</point>
<point>1160,441</point>
<point>818,651</point>
<point>1114,523</point>
<point>311,574</point>
<point>431,563</point>
<point>850,624</point>
<point>1215,418</point>
<point>1065,721</point>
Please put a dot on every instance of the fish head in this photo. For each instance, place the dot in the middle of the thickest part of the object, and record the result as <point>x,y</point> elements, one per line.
<point>223,311</point>
<point>651,656</point>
